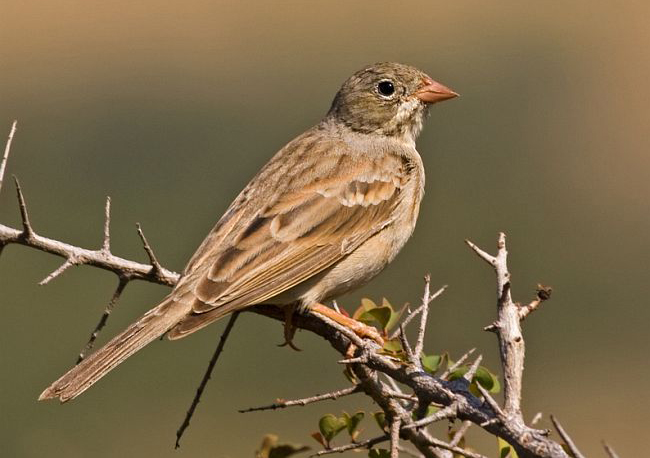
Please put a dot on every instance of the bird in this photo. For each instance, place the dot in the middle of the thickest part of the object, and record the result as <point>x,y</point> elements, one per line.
<point>325,214</point>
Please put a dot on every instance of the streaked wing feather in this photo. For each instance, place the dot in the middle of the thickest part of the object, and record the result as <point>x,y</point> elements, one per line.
<point>306,229</point>
<point>303,241</point>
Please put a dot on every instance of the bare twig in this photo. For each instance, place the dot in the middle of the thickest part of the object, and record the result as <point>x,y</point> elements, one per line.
<point>96,258</point>
<point>469,375</point>
<point>508,328</point>
<point>5,156</point>
<point>281,404</point>
<point>458,435</point>
<point>62,268</point>
<point>206,378</point>
<point>419,343</point>
<point>106,244</point>
<point>536,419</point>
<point>543,293</point>
<point>357,359</point>
<point>412,357</point>
<point>447,413</point>
<point>156,267</point>
<point>415,312</point>
<point>457,364</point>
<point>609,450</point>
<point>566,438</point>
<point>353,446</point>
<point>500,414</point>
<point>104,318</point>
<point>404,396</point>
<point>28,232</point>
<point>457,450</point>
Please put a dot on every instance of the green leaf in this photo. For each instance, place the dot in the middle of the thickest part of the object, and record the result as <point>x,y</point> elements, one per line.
<point>378,453</point>
<point>487,379</point>
<point>353,421</point>
<point>380,418</point>
<point>330,426</point>
<point>366,304</point>
<point>431,363</point>
<point>431,409</point>
<point>271,449</point>
<point>505,450</point>
<point>484,377</point>
<point>496,385</point>
<point>395,316</point>
<point>392,346</point>
<point>286,450</point>
<point>378,315</point>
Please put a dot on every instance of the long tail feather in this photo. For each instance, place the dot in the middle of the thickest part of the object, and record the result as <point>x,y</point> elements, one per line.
<point>151,325</point>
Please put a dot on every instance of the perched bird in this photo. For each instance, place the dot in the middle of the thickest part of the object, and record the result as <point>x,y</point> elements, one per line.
<point>326,214</point>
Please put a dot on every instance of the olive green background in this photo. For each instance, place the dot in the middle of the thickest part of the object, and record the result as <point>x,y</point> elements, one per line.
<point>170,108</point>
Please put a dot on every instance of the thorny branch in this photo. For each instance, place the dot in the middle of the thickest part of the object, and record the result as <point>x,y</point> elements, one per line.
<point>366,362</point>
<point>282,404</point>
<point>206,378</point>
<point>5,155</point>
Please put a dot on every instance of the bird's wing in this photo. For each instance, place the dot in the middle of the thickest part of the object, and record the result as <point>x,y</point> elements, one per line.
<point>305,229</point>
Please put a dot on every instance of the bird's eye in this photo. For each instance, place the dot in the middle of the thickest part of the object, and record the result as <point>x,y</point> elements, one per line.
<point>386,88</point>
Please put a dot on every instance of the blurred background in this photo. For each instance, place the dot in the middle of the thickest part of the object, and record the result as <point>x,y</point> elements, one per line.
<point>171,107</point>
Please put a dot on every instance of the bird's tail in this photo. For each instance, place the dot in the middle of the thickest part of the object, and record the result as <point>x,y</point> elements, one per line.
<point>151,325</point>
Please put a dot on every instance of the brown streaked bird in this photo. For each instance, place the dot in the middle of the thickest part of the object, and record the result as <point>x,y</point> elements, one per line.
<point>326,214</point>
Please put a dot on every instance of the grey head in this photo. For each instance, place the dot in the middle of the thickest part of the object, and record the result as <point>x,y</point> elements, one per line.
<point>387,99</point>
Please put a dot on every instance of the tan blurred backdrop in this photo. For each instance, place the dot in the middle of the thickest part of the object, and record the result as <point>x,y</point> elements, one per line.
<point>170,107</point>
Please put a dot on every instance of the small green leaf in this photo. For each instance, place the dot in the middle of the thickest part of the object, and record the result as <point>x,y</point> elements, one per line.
<point>379,316</point>
<point>380,418</point>
<point>271,449</point>
<point>431,409</point>
<point>487,379</point>
<point>286,450</point>
<point>378,453</point>
<point>505,450</point>
<point>352,422</point>
<point>395,316</point>
<point>392,346</point>
<point>431,363</point>
<point>484,377</point>
<point>330,426</point>
<point>366,304</point>
<point>496,385</point>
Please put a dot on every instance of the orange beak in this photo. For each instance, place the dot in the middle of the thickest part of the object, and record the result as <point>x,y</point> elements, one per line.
<point>432,92</point>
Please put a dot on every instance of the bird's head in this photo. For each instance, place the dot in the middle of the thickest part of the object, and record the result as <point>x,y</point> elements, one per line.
<point>387,99</point>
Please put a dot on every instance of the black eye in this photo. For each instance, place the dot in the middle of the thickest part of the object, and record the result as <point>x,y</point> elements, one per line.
<point>385,88</point>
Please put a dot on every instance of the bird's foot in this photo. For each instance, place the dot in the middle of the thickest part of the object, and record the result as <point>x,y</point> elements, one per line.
<point>360,329</point>
<point>289,328</point>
